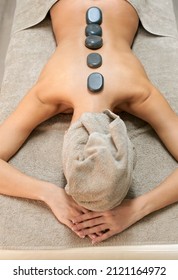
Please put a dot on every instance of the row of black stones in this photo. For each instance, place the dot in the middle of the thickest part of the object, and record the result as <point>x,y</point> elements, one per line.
<point>94,41</point>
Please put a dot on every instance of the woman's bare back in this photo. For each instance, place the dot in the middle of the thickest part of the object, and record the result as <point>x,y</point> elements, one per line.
<point>64,78</point>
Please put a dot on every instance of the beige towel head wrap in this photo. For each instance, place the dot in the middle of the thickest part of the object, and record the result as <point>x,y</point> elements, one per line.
<point>98,161</point>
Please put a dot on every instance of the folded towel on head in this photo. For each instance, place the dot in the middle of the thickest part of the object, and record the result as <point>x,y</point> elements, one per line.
<point>98,160</point>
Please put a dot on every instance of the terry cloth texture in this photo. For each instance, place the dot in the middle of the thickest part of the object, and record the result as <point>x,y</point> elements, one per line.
<point>156,17</point>
<point>28,224</point>
<point>98,160</point>
<point>31,12</point>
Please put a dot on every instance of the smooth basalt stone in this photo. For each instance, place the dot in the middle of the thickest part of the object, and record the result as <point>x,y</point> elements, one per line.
<point>94,15</point>
<point>93,42</point>
<point>93,29</point>
<point>95,82</point>
<point>94,60</point>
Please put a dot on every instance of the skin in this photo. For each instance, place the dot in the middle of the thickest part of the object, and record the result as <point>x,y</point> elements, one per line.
<point>61,88</point>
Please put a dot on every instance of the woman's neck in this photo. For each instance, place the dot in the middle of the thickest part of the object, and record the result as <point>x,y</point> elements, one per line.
<point>97,108</point>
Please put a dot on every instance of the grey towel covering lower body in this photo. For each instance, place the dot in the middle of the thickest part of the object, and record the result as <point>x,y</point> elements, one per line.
<point>155,15</point>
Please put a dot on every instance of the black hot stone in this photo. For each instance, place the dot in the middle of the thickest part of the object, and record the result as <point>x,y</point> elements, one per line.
<point>94,42</point>
<point>93,29</point>
<point>94,60</point>
<point>95,82</point>
<point>94,15</point>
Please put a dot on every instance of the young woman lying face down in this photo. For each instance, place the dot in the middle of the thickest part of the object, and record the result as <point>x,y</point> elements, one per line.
<point>64,86</point>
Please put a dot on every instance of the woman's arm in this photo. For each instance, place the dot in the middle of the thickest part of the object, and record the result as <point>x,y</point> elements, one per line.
<point>129,212</point>
<point>153,108</point>
<point>13,133</point>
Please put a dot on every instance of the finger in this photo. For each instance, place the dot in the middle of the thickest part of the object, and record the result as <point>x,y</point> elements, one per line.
<point>92,230</point>
<point>88,224</point>
<point>91,236</point>
<point>86,216</point>
<point>94,235</point>
<point>84,211</point>
<point>103,237</point>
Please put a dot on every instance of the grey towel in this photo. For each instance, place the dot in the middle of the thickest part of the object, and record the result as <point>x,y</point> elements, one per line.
<point>155,15</point>
<point>98,161</point>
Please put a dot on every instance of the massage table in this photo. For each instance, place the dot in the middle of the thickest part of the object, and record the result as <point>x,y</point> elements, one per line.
<point>28,229</point>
